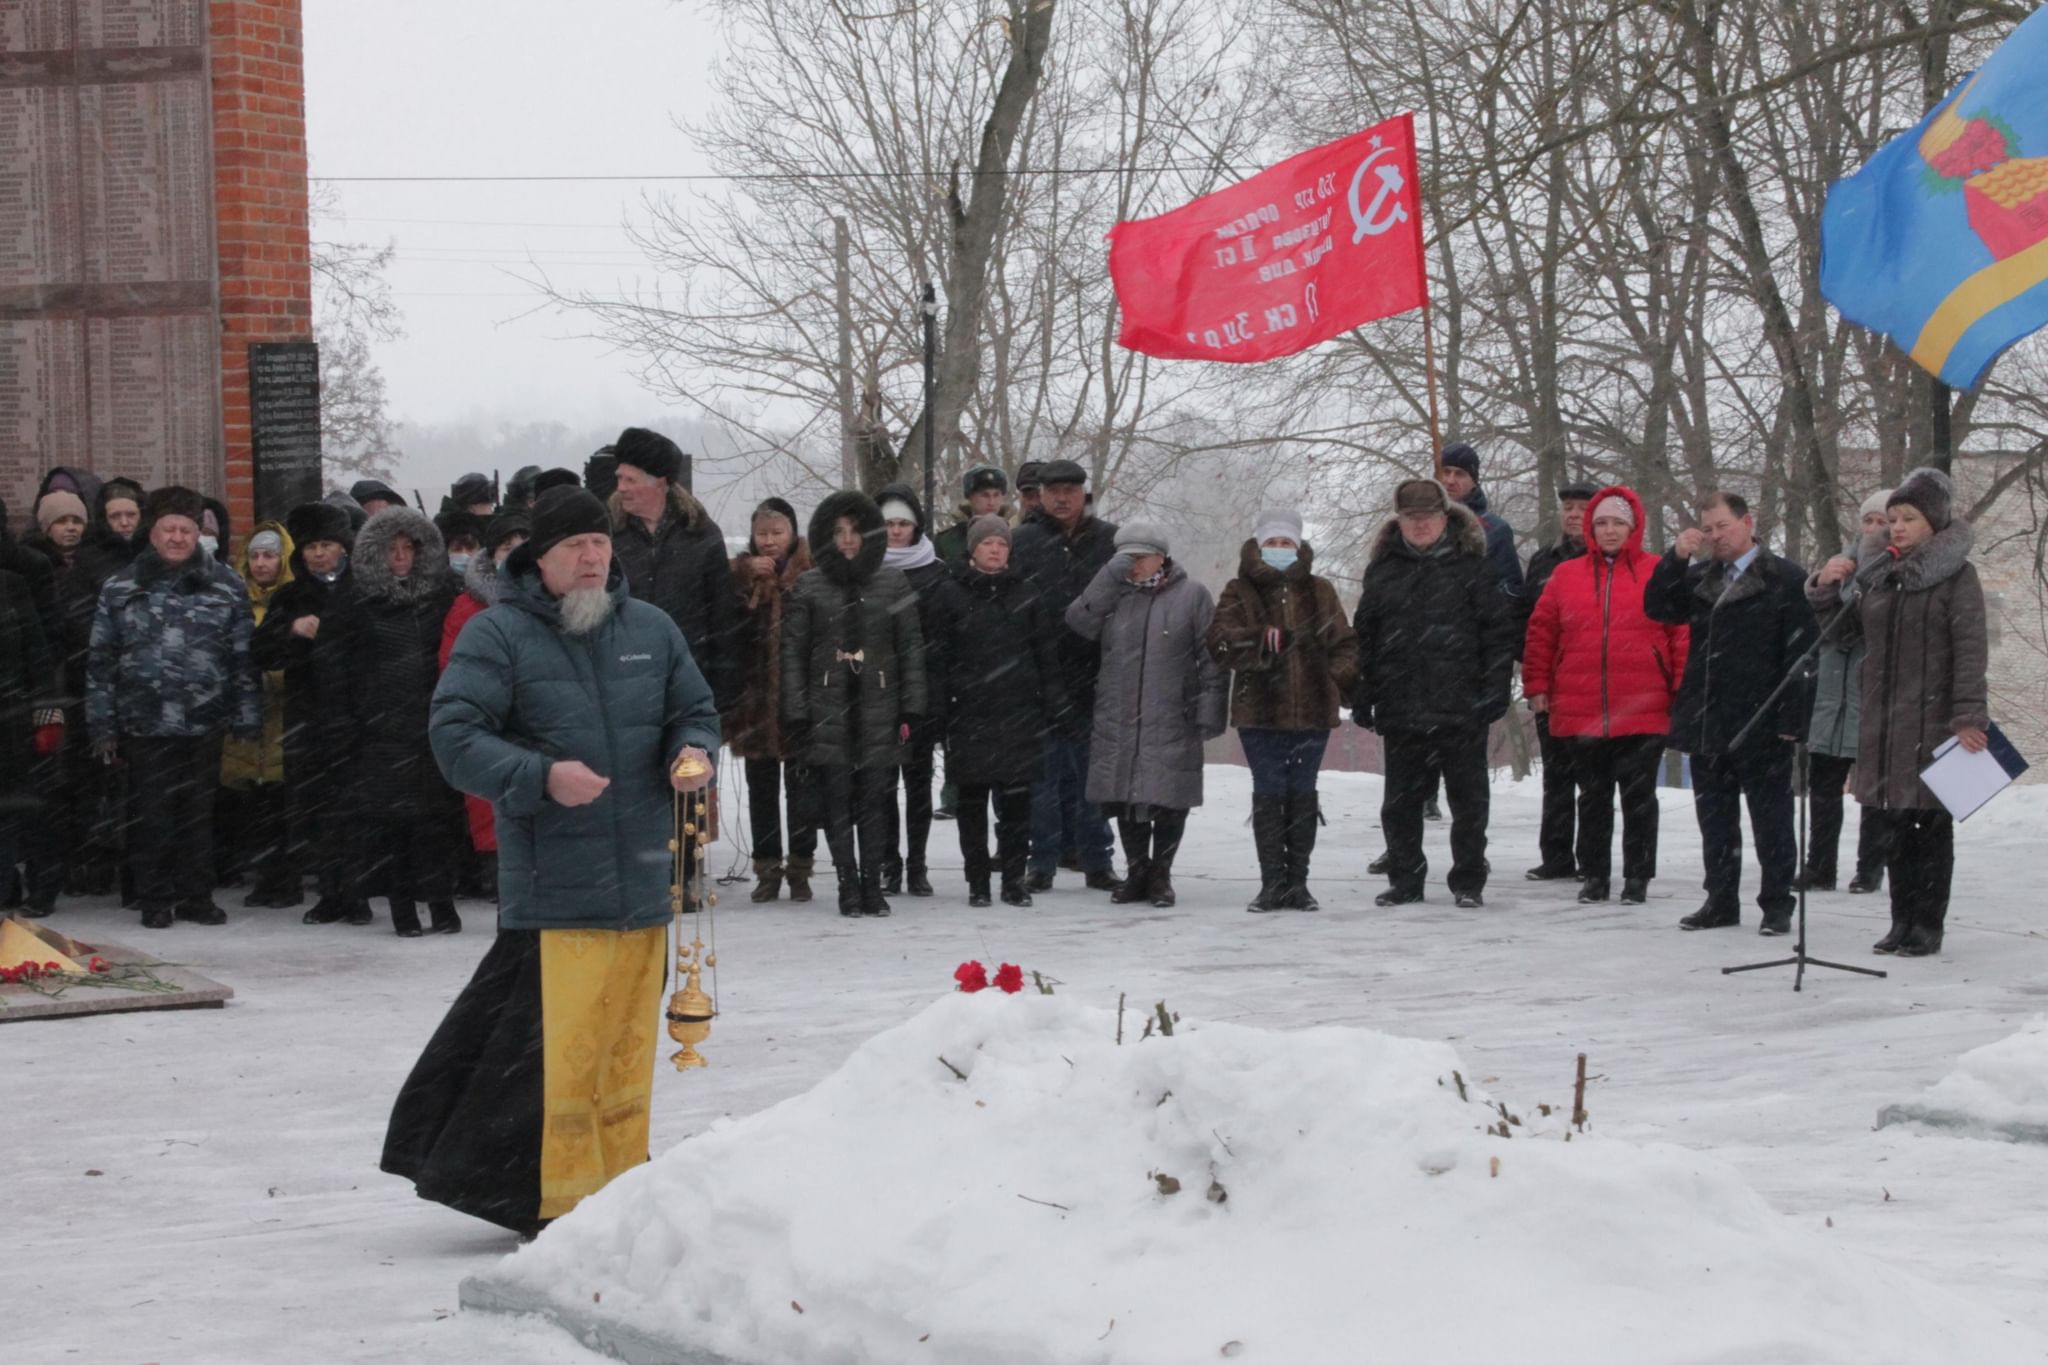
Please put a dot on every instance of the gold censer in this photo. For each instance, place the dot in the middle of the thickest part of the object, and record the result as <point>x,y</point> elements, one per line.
<point>690,1010</point>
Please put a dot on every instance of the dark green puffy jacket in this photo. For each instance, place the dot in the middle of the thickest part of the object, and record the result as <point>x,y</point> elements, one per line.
<point>852,650</point>
<point>520,693</point>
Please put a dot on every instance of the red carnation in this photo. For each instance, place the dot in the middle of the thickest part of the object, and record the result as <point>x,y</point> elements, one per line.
<point>97,966</point>
<point>972,977</point>
<point>1009,978</point>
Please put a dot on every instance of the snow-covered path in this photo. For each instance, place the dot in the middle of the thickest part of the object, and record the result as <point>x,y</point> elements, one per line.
<point>239,1215</point>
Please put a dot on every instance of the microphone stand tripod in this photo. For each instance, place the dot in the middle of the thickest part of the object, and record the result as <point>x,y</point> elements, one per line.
<point>1801,672</point>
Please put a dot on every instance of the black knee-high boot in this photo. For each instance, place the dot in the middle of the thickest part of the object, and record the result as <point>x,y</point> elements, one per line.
<point>1304,811</point>
<point>1269,837</point>
<point>1167,828</point>
<point>1137,841</point>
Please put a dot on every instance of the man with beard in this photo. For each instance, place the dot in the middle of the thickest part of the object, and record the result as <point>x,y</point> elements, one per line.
<point>568,706</point>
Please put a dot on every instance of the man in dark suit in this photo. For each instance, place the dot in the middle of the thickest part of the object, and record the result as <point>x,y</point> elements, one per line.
<point>1750,623</point>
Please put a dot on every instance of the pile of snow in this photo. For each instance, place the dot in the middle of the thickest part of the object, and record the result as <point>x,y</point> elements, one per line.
<point>1337,1201</point>
<point>1998,1090</point>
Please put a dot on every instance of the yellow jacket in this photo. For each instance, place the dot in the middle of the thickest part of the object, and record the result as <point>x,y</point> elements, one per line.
<point>242,763</point>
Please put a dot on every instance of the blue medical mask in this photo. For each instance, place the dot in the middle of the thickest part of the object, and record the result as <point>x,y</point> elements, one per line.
<point>460,563</point>
<point>1279,556</point>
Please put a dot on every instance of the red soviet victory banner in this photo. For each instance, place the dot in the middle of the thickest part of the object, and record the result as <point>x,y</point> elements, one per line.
<point>1314,246</point>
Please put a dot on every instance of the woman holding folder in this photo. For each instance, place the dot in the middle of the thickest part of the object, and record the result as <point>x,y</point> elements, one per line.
<point>1922,611</point>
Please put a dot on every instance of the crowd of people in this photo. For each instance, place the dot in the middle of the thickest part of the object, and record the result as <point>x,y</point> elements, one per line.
<point>180,717</point>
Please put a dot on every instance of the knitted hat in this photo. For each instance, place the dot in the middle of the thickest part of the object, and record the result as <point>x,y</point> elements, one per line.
<point>172,501</point>
<point>1142,538</point>
<point>650,452</point>
<point>504,526</point>
<point>1270,524</point>
<point>266,540</point>
<point>1459,455</point>
<point>1421,495</point>
<point>56,505</point>
<point>982,527</point>
<point>895,509</point>
<point>1616,507</point>
<point>1874,503</point>
<point>1930,492</point>
<point>982,478</point>
<point>561,513</point>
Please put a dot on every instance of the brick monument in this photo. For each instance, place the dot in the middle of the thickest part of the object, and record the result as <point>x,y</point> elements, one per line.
<point>153,230</point>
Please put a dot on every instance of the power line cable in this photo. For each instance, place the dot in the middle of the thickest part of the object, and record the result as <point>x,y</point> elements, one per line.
<point>745,176</point>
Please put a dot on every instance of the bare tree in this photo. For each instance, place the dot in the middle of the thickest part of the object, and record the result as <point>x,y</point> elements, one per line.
<point>353,308</point>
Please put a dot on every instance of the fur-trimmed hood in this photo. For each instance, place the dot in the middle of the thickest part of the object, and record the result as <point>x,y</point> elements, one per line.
<point>1465,531</point>
<point>874,538</point>
<point>1935,560</point>
<point>481,581</point>
<point>682,505</point>
<point>371,569</point>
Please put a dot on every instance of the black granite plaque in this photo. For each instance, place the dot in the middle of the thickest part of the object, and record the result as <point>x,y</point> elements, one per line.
<point>284,424</point>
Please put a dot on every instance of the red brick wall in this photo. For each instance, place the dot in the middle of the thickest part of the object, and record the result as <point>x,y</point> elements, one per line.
<point>260,207</point>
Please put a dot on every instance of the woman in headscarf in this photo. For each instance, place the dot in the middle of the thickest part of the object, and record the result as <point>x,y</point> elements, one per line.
<point>253,817</point>
<point>911,551</point>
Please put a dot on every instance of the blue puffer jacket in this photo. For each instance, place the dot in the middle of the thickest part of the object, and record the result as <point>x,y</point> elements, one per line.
<point>519,694</point>
<point>170,654</point>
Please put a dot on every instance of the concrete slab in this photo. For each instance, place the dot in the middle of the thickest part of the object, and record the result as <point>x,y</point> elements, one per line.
<point>19,1002</point>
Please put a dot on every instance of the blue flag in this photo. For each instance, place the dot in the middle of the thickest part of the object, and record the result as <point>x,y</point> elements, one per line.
<point>1941,241</point>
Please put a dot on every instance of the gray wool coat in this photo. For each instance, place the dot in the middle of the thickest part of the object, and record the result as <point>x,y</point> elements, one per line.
<point>1159,692</point>
<point>1923,677</point>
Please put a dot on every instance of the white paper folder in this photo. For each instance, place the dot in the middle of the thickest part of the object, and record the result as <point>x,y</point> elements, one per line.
<point>1964,781</point>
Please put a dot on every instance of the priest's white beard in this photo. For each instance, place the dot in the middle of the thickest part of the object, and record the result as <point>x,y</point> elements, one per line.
<point>585,609</point>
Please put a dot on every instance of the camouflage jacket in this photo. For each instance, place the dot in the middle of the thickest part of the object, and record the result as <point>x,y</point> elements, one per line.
<point>170,655</point>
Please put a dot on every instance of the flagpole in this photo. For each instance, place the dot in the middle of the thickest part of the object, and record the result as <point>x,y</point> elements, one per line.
<point>1436,435</point>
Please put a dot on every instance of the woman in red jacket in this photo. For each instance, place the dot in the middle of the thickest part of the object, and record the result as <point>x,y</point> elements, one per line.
<point>1605,673</point>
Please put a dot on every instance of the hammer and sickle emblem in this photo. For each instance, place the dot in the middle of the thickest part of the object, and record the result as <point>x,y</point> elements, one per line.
<point>1369,220</point>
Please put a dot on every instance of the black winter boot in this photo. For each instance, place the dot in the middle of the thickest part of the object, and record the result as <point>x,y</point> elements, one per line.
<point>849,888</point>
<point>872,901</point>
<point>920,883</point>
<point>326,910</point>
<point>444,918</point>
<point>892,877</point>
<point>977,893</point>
<point>1269,837</point>
<point>1137,840</point>
<point>405,918</point>
<point>359,911</point>
<point>1304,813</point>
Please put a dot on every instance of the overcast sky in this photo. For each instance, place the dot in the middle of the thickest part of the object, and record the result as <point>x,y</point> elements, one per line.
<point>507,87</point>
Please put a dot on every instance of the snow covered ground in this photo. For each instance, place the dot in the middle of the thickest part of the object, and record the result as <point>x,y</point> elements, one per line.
<point>238,1214</point>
